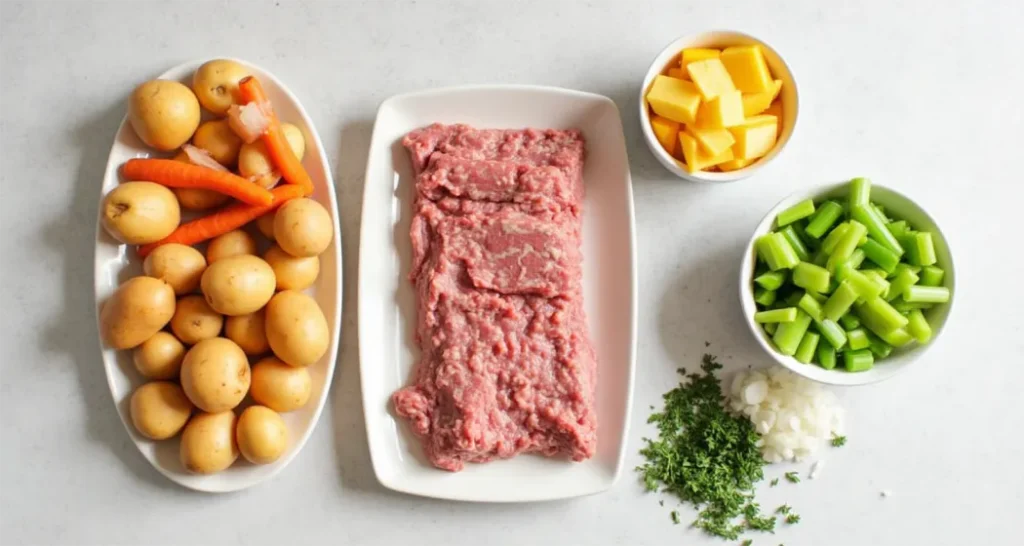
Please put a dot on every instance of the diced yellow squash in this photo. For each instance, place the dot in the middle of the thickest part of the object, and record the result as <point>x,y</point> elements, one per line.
<point>775,110</point>
<point>667,132</point>
<point>674,99</point>
<point>676,73</point>
<point>694,54</point>
<point>755,137</point>
<point>735,164</point>
<point>747,68</point>
<point>723,111</point>
<point>712,141</point>
<point>696,159</point>
<point>710,77</point>
<point>755,103</point>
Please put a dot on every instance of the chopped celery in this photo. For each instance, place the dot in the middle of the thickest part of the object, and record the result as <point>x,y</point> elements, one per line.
<point>789,334</point>
<point>828,214</point>
<point>764,297</point>
<point>771,280</point>
<point>879,316</point>
<point>794,241</point>
<point>932,276</point>
<point>878,277</point>
<point>786,314</point>
<point>897,338</point>
<point>858,361</point>
<point>876,227</point>
<point>918,326</point>
<point>898,228</point>
<point>770,327</point>
<point>920,248</point>
<point>849,321</point>
<point>903,280</point>
<point>819,297</point>
<point>880,255</point>
<point>831,331</point>
<point>858,339</point>
<point>811,277</point>
<point>793,298</point>
<point>865,286</point>
<point>856,259</point>
<point>810,306</point>
<point>805,351</point>
<point>880,209</point>
<point>799,211</point>
<point>926,294</point>
<point>826,356</point>
<point>879,348</point>
<point>845,247</point>
<point>903,306</point>
<point>860,192</point>
<point>776,251</point>
<point>821,258</point>
<point>833,238</point>
<point>840,301</point>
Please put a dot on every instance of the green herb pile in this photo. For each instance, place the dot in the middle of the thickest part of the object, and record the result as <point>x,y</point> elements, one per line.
<point>706,456</point>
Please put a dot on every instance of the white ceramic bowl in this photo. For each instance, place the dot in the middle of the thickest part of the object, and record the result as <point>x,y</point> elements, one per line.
<point>720,39</point>
<point>897,206</point>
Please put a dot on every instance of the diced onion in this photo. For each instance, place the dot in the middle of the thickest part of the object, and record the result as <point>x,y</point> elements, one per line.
<point>201,157</point>
<point>249,122</point>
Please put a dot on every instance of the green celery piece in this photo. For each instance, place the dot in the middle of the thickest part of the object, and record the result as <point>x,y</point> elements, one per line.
<point>858,339</point>
<point>858,361</point>
<point>770,327</point>
<point>799,211</point>
<point>840,301</point>
<point>845,247</point>
<point>897,338</point>
<point>876,227</point>
<point>878,347</point>
<point>856,259</point>
<point>903,280</point>
<point>783,254</point>
<point>816,295</point>
<point>821,258</point>
<point>789,334</point>
<point>771,280</point>
<point>811,243</point>
<point>764,297</point>
<point>811,306</point>
<point>826,356</point>
<point>764,251</point>
<point>880,209</point>
<point>864,285</point>
<point>794,241</point>
<point>878,277</point>
<point>832,332</point>
<point>932,276</point>
<point>884,318</point>
<point>849,321</point>
<point>833,238</point>
<point>920,248</point>
<point>786,314</point>
<point>793,298</point>
<point>880,255</point>
<point>828,214</point>
<point>805,351</point>
<point>926,294</point>
<point>860,192</point>
<point>898,228</point>
<point>811,277</point>
<point>918,326</point>
<point>903,306</point>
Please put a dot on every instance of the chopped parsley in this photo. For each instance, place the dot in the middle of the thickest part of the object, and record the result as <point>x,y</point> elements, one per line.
<point>784,509</point>
<point>775,482</point>
<point>706,456</point>
<point>675,517</point>
<point>792,477</point>
<point>838,441</point>
<point>793,518</point>
<point>747,542</point>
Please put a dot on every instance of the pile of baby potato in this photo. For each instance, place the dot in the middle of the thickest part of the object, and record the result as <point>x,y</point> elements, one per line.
<point>197,317</point>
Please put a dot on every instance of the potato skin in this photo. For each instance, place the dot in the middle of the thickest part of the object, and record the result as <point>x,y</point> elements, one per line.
<point>290,272</point>
<point>208,443</point>
<point>254,160</point>
<point>194,320</point>
<point>139,213</point>
<point>163,113</point>
<point>278,386</point>
<point>296,328</point>
<point>261,434</point>
<point>217,138</point>
<point>265,224</point>
<point>302,228</point>
<point>181,266</point>
<point>249,332</point>
<point>139,308</point>
<point>232,243</point>
<point>238,285</point>
<point>159,410</point>
<point>215,84</point>
<point>159,357</point>
<point>215,375</point>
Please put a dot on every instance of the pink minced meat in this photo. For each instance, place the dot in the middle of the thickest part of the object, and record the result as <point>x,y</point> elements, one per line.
<point>507,366</point>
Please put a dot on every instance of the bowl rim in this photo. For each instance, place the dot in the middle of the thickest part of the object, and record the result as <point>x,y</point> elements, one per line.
<point>811,371</point>
<point>666,159</point>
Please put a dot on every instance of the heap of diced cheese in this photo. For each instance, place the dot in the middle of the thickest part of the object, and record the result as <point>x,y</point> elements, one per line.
<point>717,109</point>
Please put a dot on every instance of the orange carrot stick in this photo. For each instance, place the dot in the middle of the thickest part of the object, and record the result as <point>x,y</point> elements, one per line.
<point>177,174</point>
<point>277,145</point>
<point>226,219</point>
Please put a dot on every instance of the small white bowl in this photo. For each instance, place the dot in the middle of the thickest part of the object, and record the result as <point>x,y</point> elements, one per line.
<point>720,39</point>
<point>897,206</point>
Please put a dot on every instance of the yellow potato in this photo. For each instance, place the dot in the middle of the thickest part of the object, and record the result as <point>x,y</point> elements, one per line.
<point>302,227</point>
<point>195,198</point>
<point>265,224</point>
<point>254,160</point>
<point>208,444</point>
<point>232,243</point>
<point>180,266</point>
<point>220,140</point>
<point>215,374</point>
<point>163,113</point>
<point>249,332</point>
<point>279,386</point>
<point>292,273</point>
<point>138,213</point>
<point>159,357</point>
<point>159,410</point>
<point>194,320</point>
<point>238,285</point>
<point>296,328</point>
<point>216,84</point>
<point>139,308</point>
<point>261,434</point>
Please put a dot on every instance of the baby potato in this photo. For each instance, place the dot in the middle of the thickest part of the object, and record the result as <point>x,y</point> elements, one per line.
<point>232,243</point>
<point>163,113</point>
<point>215,374</point>
<point>220,140</point>
<point>180,266</point>
<point>292,273</point>
<point>279,386</point>
<point>302,227</point>
<point>261,434</point>
<point>159,357</point>
<point>216,84</point>
<point>249,332</point>
<point>238,285</point>
<point>265,224</point>
<point>138,213</point>
<point>139,308</point>
<point>208,444</point>
<point>254,160</point>
<point>195,321</point>
<point>296,328</point>
<point>159,410</point>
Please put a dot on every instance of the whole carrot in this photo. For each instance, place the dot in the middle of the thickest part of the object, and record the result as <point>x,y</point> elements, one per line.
<point>227,219</point>
<point>177,174</point>
<point>277,145</point>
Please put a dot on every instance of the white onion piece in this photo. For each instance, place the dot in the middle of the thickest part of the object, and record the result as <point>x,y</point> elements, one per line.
<point>201,157</point>
<point>249,122</point>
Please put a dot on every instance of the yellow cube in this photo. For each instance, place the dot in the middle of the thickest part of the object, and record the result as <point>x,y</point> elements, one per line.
<point>755,103</point>
<point>674,99</point>
<point>676,73</point>
<point>725,110</point>
<point>735,164</point>
<point>755,137</point>
<point>667,132</point>
<point>694,54</point>
<point>775,110</point>
<point>697,159</point>
<point>747,68</point>
<point>710,77</point>
<point>712,141</point>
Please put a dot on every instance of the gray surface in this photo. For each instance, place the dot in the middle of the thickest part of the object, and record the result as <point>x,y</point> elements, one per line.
<point>923,96</point>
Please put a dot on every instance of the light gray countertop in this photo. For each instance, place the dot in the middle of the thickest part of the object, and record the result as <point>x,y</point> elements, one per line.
<point>922,96</point>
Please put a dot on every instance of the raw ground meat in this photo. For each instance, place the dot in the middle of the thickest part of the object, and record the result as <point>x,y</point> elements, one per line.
<point>507,366</point>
